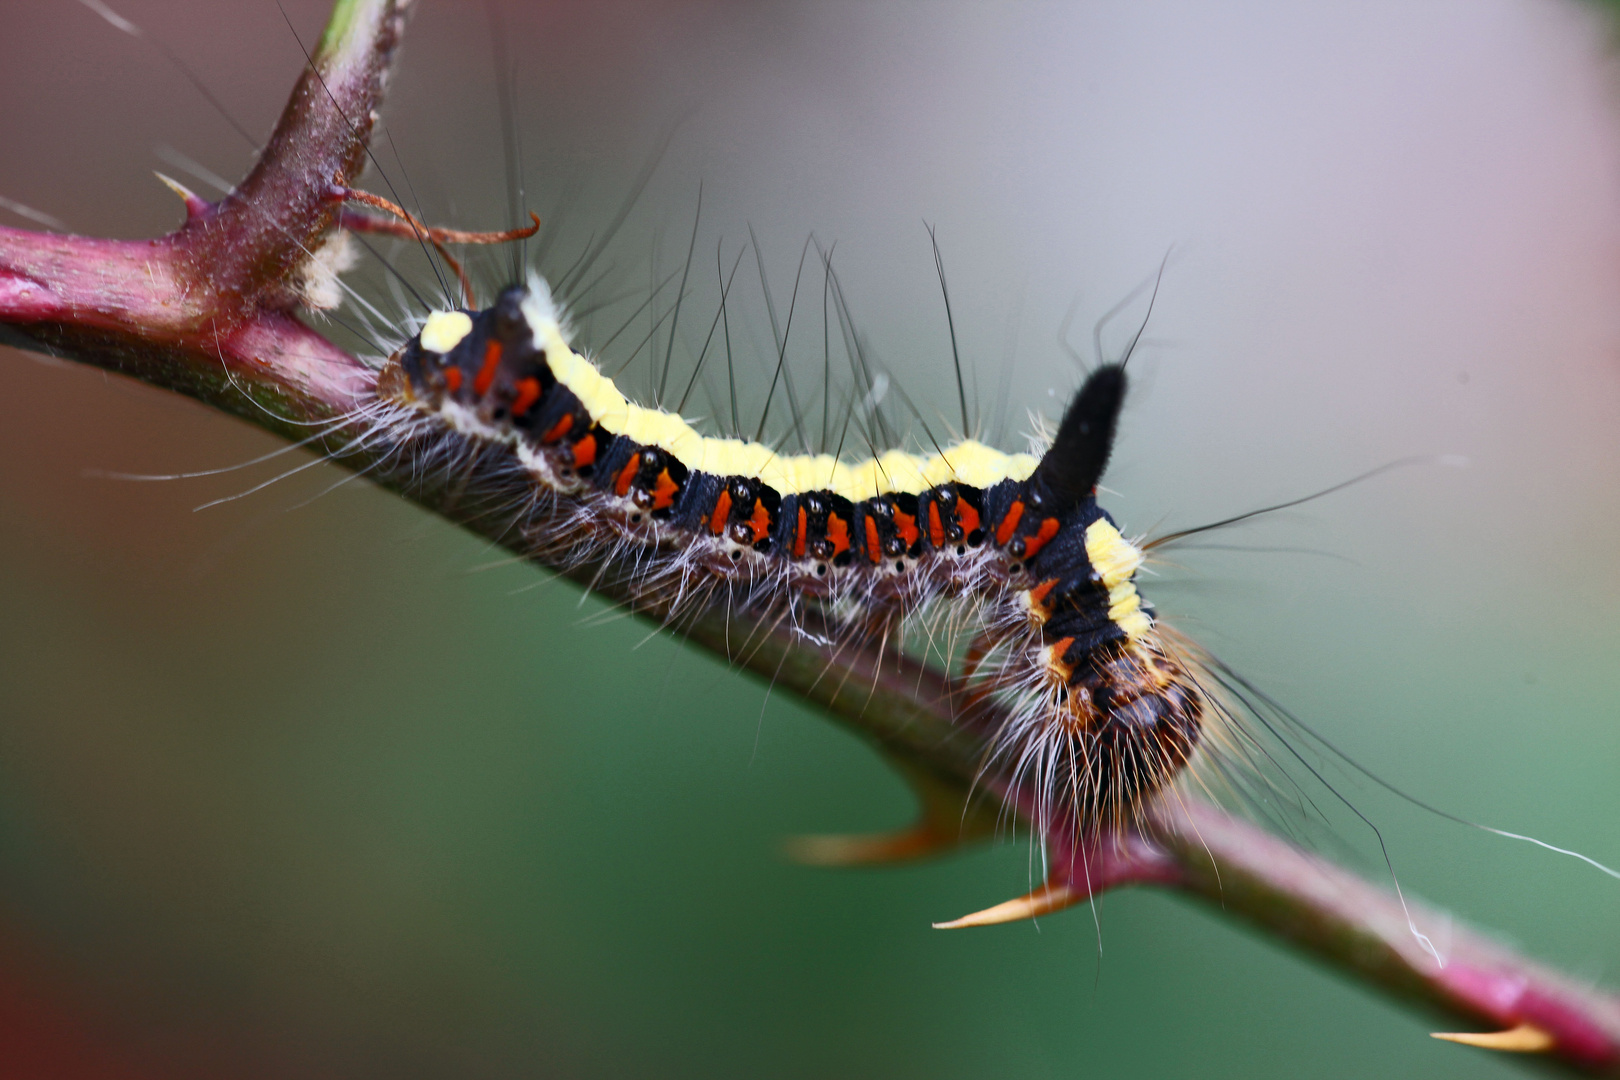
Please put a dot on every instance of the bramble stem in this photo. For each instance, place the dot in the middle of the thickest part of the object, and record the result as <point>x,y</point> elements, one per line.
<point>208,311</point>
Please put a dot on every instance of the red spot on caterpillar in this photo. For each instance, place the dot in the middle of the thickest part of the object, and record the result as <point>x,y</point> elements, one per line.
<point>837,534</point>
<point>559,429</point>
<point>761,521</point>
<point>1009,524</point>
<point>584,450</point>
<point>1049,529</point>
<point>627,476</point>
<point>722,513</point>
<point>798,537</point>
<point>664,491</point>
<point>936,527</point>
<point>452,379</point>
<point>967,516</point>
<point>1037,595</point>
<point>1060,649</point>
<point>486,374</point>
<point>874,545</point>
<point>528,394</point>
<point>906,525</point>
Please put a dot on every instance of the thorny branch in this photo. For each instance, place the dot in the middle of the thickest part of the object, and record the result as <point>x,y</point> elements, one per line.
<point>209,311</point>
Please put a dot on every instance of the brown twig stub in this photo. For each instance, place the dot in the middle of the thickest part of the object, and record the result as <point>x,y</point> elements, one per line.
<point>407,226</point>
<point>209,311</point>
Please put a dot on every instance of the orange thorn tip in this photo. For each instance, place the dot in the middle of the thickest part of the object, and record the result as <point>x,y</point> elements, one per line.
<point>1524,1039</point>
<point>1043,901</point>
<point>870,849</point>
<point>196,205</point>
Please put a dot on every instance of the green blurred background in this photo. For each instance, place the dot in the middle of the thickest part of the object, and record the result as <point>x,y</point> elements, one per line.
<point>311,784</point>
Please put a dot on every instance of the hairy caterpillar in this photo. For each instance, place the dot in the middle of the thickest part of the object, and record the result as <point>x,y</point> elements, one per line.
<point>1105,714</point>
<point>1150,992</point>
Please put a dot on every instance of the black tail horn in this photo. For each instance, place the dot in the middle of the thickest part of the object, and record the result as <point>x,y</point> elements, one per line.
<point>1072,467</point>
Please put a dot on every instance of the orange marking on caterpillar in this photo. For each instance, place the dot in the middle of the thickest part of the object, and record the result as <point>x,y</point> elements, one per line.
<point>936,527</point>
<point>486,374</point>
<point>722,513</point>
<point>837,534</point>
<point>1048,529</point>
<point>967,517</point>
<point>1037,595</point>
<point>528,394</point>
<point>906,525</point>
<point>627,476</point>
<point>664,491</point>
<point>798,537</point>
<point>585,452</point>
<point>874,544</point>
<point>761,521</point>
<point>452,379</point>
<point>559,429</point>
<point>1056,653</point>
<point>1009,524</point>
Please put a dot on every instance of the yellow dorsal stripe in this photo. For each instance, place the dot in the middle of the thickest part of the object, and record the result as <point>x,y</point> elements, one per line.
<point>1116,560</point>
<point>968,462</point>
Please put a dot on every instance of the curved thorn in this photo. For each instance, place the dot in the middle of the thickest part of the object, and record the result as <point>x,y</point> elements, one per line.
<point>947,819</point>
<point>1043,901</point>
<point>867,849</point>
<point>1524,1039</point>
<point>196,205</point>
